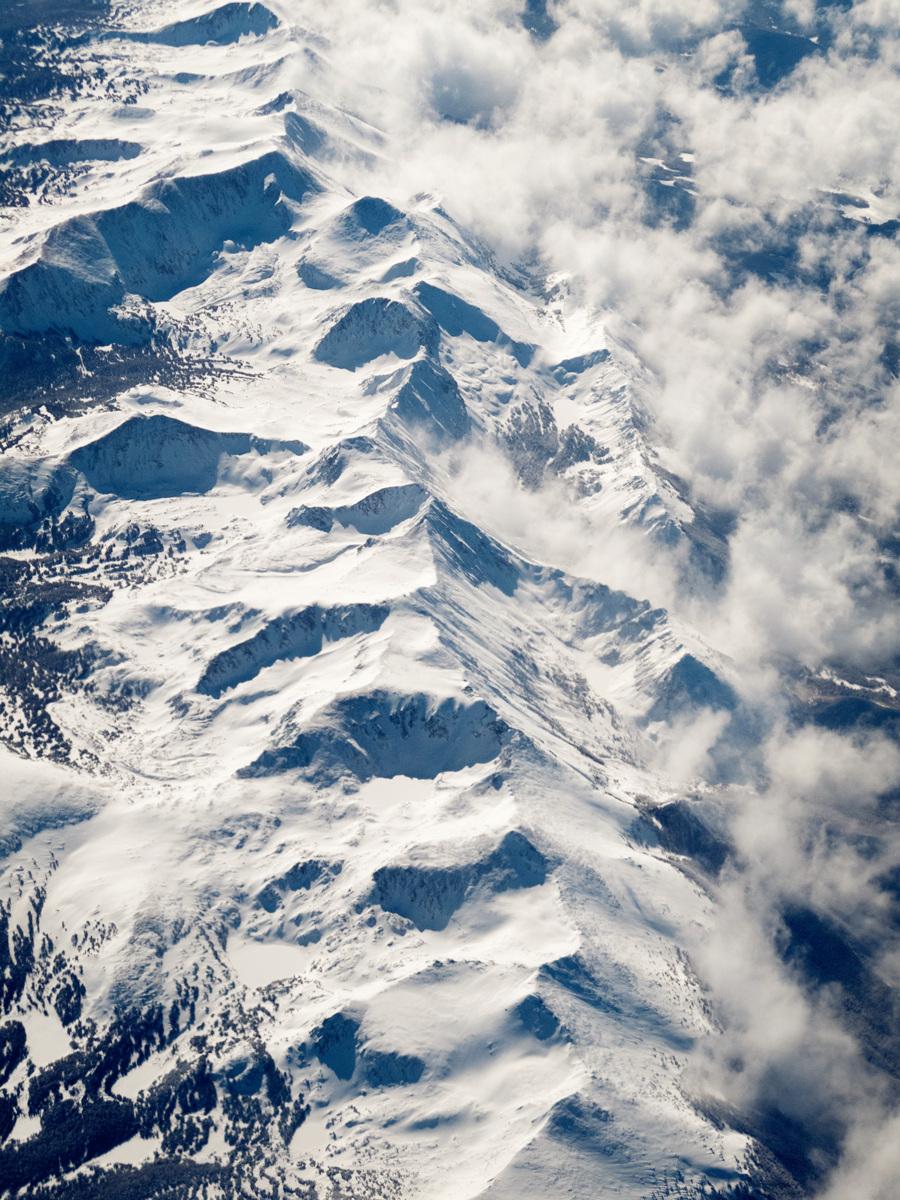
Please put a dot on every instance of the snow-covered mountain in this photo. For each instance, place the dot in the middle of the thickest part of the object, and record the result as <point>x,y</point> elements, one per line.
<point>354,839</point>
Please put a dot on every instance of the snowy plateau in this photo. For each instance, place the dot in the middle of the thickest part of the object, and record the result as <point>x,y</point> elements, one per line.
<point>367,814</point>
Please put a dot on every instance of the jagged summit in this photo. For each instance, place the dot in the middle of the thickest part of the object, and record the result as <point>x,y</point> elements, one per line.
<point>219,26</point>
<point>151,248</point>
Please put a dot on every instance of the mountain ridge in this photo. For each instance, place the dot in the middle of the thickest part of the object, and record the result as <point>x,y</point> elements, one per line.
<point>369,822</point>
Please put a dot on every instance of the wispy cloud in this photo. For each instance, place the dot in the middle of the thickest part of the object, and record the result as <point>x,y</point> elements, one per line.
<point>769,318</point>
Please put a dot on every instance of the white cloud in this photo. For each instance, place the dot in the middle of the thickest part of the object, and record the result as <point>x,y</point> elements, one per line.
<point>773,401</point>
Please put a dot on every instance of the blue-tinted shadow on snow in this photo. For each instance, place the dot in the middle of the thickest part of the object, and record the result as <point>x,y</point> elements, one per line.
<point>31,492</point>
<point>297,635</point>
<point>65,152</point>
<point>401,270</point>
<point>25,819</point>
<point>431,400</point>
<point>371,216</point>
<point>302,876</point>
<point>677,828</point>
<point>317,278</point>
<point>306,135</point>
<point>152,247</point>
<point>375,514</point>
<point>331,463</point>
<point>689,686</point>
<point>576,978</point>
<point>580,363</point>
<point>374,327</point>
<point>573,974</point>
<point>220,27</point>
<point>536,1018</point>
<point>585,1126</point>
<point>429,896</point>
<point>792,1156</point>
<point>336,1045</point>
<point>150,457</point>
<point>456,317</point>
<point>464,547</point>
<point>382,734</point>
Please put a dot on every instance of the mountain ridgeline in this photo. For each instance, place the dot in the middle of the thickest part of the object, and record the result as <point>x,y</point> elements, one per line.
<point>337,858</point>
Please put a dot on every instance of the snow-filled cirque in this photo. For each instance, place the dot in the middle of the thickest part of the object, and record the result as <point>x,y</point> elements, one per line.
<point>449,672</point>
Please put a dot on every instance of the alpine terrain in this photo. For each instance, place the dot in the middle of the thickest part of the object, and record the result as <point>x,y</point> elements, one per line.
<point>411,785</point>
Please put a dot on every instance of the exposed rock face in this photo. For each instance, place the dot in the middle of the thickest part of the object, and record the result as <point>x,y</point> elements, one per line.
<point>429,896</point>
